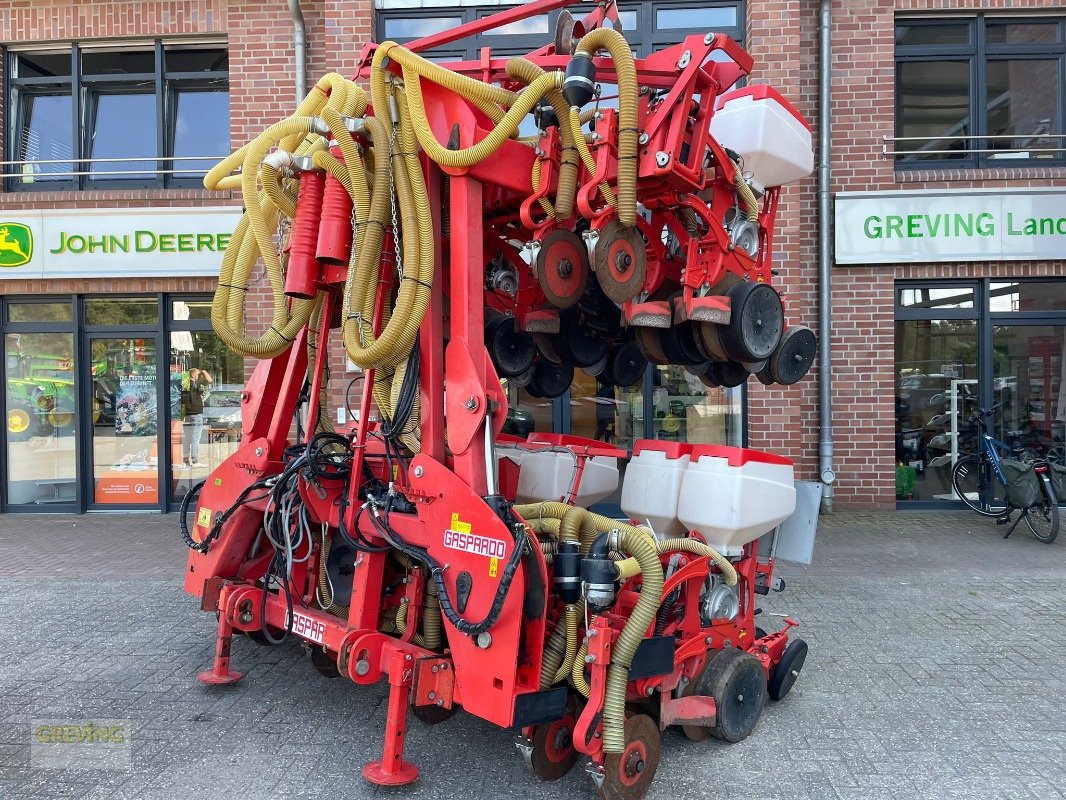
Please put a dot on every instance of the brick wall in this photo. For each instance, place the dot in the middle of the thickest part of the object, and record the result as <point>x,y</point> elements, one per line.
<point>863,328</point>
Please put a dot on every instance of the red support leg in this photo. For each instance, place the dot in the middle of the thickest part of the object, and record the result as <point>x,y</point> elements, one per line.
<point>220,671</point>
<point>392,770</point>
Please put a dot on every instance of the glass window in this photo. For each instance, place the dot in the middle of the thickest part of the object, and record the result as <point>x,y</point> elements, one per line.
<point>685,410</point>
<point>933,104</point>
<point>1028,363</point>
<point>936,392</point>
<point>532,25</point>
<point>181,310</point>
<point>117,62</point>
<point>933,34</point>
<point>201,128</point>
<point>123,125</point>
<point>46,142</point>
<point>945,113</point>
<point>206,382</point>
<point>1028,296</point>
<point>42,65</point>
<point>936,297</point>
<point>417,27</point>
<point>710,18</point>
<point>1023,105</point>
<point>196,60</point>
<point>1022,32</point>
<point>39,312</point>
<point>112,111</point>
<point>121,311</point>
<point>40,410</point>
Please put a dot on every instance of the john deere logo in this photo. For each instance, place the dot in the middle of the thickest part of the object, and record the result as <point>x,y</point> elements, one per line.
<point>16,244</point>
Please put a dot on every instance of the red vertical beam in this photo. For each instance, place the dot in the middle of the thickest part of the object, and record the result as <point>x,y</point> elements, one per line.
<point>467,309</point>
<point>431,343</point>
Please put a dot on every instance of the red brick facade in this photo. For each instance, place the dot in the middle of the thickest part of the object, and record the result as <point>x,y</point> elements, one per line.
<point>781,35</point>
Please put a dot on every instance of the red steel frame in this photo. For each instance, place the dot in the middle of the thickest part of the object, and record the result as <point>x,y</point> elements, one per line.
<point>447,485</point>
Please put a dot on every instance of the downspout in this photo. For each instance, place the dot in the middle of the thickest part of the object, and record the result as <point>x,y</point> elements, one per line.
<point>825,259</point>
<point>300,48</point>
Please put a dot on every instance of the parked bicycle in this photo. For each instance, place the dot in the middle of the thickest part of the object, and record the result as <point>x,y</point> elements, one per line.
<point>981,482</point>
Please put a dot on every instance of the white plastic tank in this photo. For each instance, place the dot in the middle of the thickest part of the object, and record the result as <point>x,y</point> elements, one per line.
<point>652,485</point>
<point>549,475</point>
<point>733,495</point>
<point>767,132</point>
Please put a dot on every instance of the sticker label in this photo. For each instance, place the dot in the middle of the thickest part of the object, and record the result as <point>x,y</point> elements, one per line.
<point>494,567</point>
<point>308,627</point>
<point>460,526</point>
<point>472,543</point>
<point>203,517</point>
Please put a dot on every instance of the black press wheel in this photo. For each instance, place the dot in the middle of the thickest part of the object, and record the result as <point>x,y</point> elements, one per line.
<point>756,322</point>
<point>737,682</point>
<point>783,675</point>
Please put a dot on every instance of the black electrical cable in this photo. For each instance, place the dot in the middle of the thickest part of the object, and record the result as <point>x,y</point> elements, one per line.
<point>437,571</point>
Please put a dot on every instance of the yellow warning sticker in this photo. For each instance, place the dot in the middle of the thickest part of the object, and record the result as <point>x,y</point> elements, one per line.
<point>458,525</point>
<point>494,567</point>
<point>203,518</point>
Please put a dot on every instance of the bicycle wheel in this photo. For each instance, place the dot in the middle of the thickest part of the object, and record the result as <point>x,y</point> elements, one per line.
<point>1043,518</point>
<point>977,486</point>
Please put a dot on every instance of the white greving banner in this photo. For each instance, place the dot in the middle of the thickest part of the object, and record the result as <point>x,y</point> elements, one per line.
<point>913,226</point>
<point>113,242</point>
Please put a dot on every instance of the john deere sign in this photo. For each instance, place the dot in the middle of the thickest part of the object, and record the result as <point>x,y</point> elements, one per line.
<point>112,242</point>
<point>16,244</point>
<point>898,227</point>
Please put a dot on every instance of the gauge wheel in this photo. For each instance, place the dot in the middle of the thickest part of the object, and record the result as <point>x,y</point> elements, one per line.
<point>756,322</point>
<point>783,675</point>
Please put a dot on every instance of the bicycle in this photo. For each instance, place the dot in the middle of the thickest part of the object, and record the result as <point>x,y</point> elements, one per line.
<point>978,481</point>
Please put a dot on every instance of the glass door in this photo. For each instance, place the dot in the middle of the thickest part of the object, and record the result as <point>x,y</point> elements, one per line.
<point>124,417</point>
<point>1029,373</point>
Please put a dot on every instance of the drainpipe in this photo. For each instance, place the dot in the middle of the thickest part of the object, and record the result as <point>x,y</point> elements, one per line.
<point>300,47</point>
<point>825,259</point>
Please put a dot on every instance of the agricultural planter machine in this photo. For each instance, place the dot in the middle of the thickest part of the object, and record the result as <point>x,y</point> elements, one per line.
<point>510,219</point>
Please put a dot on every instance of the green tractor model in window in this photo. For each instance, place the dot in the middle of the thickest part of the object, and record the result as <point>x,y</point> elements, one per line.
<point>38,403</point>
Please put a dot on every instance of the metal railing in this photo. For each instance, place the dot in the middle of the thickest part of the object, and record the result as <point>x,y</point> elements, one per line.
<point>74,172</point>
<point>1033,145</point>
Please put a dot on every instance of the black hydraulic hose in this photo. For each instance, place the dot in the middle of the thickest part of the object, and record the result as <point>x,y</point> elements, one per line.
<point>183,520</point>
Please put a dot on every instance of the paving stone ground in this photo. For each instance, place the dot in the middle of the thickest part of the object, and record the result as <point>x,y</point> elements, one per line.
<point>935,671</point>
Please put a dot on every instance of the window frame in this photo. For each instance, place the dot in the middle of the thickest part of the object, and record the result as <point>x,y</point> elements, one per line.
<point>978,52</point>
<point>645,40</point>
<point>167,84</point>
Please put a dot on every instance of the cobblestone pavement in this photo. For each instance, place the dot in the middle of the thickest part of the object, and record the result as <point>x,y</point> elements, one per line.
<point>935,671</point>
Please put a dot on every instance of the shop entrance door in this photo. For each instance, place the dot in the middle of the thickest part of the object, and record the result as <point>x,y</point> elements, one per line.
<point>123,451</point>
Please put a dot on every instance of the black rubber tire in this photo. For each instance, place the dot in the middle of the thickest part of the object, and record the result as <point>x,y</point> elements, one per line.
<point>756,322</point>
<point>794,355</point>
<point>681,345</point>
<point>27,416</point>
<point>511,350</point>
<point>737,682</point>
<point>971,473</point>
<point>730,374</point>
<point>1043,518</point>
<point>577,344</point>
<point>550,380</point>
<point>626,365</point>
<point>783,675</point>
